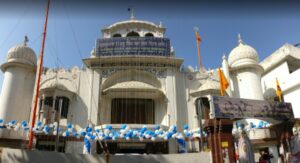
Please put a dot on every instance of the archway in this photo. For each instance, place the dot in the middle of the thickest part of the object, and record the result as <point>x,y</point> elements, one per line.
<point>149,35</point>
<point>133,34</point>
<point>117,35</point>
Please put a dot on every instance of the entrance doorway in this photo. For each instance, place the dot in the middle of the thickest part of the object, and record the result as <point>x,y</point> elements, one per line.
<point>132,111</point>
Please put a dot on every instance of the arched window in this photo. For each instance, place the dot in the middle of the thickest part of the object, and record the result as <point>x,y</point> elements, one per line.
<point>133,34</point>
<point>117,35</point>
<point>149,35</point>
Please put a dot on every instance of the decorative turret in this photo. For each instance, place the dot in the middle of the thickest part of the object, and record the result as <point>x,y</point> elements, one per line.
<point>245,71</point>
<point>242,55</point>
<point>18,84</point>
<point>21,54</point>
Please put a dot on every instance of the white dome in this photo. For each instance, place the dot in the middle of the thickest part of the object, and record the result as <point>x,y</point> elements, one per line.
<point>242,55</point>
<point>210,87</point>
<point>22,54</point>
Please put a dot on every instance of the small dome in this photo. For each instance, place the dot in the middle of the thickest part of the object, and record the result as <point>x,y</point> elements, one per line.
<point>21,53</point>
<point>242,54</point>
<point>209,87</point>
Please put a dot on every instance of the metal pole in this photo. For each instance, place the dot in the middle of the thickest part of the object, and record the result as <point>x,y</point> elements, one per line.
<point>199,108</point>
<point>38,80</point>
<point>57,129</point>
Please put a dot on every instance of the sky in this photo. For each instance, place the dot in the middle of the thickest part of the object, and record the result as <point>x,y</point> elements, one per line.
<point>74,26</point>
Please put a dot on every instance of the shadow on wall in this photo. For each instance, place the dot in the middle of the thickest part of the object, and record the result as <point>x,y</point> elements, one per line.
<point>78,112</point>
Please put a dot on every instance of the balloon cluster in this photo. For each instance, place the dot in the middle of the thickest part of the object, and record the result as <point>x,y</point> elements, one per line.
<point>241,127</point>
<point>107,132</point>
<point>14,125</point>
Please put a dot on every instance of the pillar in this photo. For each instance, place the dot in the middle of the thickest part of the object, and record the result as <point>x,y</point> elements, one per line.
<point>220,140</point>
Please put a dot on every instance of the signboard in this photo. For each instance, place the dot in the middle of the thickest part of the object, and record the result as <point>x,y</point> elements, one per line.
<point>226,107</point>
<point>133,46</point>
<point>225,144</point>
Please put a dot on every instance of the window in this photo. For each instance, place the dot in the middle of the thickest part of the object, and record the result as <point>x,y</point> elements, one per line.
<point>134,111</point>
<point>65,106</point>
<point>117,35</point>
<point>293,66</point>
<point>133,34</point>
<point>149,35</point>
<point>202,107</point>
<point>48,101</point>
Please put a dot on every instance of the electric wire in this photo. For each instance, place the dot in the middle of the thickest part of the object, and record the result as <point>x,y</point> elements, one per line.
<point>81,57</point>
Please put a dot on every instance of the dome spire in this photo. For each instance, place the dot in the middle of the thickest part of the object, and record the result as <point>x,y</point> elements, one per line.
<point>224,56</point>
<point>240,41</point>
<point>26,40</point>
<point>132,14</point>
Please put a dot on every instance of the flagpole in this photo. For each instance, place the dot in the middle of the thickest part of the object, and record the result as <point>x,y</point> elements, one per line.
<point>196,29</point>
<point>37,84</point>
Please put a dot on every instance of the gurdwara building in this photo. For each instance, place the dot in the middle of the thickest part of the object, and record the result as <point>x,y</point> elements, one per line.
<point>133,77</point>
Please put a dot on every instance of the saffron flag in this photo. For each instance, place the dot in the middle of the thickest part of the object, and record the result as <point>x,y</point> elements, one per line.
<point>278,91</point>
<point>223,82</point>
<point>198,38</point>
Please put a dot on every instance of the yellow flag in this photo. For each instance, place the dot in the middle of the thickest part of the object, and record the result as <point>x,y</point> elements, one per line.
<point>223,82</point>
<point>278,91</point>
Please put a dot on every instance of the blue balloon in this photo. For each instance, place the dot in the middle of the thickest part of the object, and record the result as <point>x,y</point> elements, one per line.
<point>260,124</point>
<point>67,133</point>
<point>107,137</point>
<point>39,123</point>
<point>188,134</point>
<point>169,135</point>
<point>1,120</point>
<point>238,124</point>
<point>186,127</point>
<point>174,129</point>
<point>87,144</point>
<point>123,126</point>
<point>46,129</point>
<point>89,129</point>
<point>69,125</point>
<point>83,133</point>
<point>143,129</point>
<point>108,127</point>
<point>13,122</point>
<point>93,137</point>
<point>181,141</point>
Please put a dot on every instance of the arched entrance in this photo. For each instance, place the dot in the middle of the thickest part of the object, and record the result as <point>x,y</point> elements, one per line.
<point>133,97</point>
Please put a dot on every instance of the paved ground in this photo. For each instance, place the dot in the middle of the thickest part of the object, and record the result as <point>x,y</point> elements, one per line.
<point>24,156</point>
